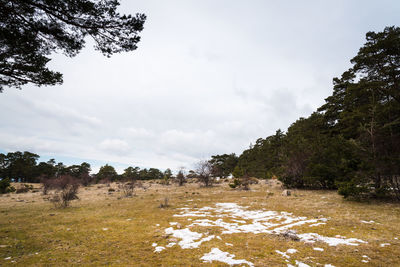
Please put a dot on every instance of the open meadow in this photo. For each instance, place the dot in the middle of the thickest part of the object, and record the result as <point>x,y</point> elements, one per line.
<point>201,226</point>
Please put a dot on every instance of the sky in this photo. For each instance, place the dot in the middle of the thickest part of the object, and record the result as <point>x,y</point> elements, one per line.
<point>209,77</point>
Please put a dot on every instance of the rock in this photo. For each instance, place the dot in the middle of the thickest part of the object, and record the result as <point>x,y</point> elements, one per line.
<point>178,226</point>
<point>166,236</point>
<point>291,234</point>
<point>286,193</point>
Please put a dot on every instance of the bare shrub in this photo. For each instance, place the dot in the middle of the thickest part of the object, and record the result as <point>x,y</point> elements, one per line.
<point>127,189</point>
<point>164,203</point>
<point>67,190</point>
<point>85,179</point>
<point>204,173</point>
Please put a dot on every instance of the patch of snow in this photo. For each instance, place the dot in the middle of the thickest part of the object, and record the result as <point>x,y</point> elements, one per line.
<point>384,245</point>
<point>318,249</point>
<point>188,238</point>
<point>291,250</point>
<point>221,256</point>
<point>105,229</point>
<point>331,241</point>
<point>368,222</point>
<point>316,224</point>
<point>364,261</point>
<point>8,258</point>
<point>157,224</point>
<point>171,244</point>
<point>159,249</point>
<point>243,220</point>
<point>129,219</point>
<point>301,264</point>
<point>154,245</point>
<point>283,254</point>
<point>229,244</point>
<point>329,265</point>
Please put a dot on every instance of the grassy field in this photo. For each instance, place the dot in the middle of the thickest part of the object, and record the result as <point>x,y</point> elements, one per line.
<point>104,228</point>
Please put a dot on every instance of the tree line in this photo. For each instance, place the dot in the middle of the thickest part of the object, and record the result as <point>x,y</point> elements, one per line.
<point>24,167</point>
<point>350,143</point>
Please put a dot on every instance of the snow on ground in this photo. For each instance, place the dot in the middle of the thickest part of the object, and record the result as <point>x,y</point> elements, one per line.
<point>368,222</point>
<point>159,249</point>
<point>231,218</point>
<point>218,255</point>
<point>259,221</point>
<point>188,238</point>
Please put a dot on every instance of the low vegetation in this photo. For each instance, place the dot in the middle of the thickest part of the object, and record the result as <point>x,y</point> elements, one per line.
<point>104,229</point>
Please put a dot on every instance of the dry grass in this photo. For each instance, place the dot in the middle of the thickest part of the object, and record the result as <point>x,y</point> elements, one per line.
<point>102,228</point>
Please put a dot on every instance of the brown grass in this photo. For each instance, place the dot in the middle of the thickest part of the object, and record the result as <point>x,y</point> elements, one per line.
<point>33,232</point>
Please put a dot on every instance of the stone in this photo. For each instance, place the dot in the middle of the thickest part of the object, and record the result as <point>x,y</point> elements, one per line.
<point>286,193</point>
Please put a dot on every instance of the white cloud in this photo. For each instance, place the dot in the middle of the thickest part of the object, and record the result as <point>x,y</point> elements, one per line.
<point>115,146</point>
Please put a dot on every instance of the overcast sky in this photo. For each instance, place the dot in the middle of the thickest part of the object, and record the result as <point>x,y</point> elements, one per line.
<point>209,77</point>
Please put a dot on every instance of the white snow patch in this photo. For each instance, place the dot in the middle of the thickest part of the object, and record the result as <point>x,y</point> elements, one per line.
<point>368,222</point>
<point>159,249</point>
<point>105,229</point>
<point>283,254</point>
<point>188,237</point>
<point>154,245</point>
<point>331,241</point>
<point>329,265</point>
<point>316,224</point>
<point>301,264</point>
<point>239,219</point>
<point>291,250</point>
<point>8,258</point>
<point>364,261</point>
<point>218,255</point>
<point>229,244</point>
<point>171,244</point>
<point>384,245</point>
<point>318,249</point>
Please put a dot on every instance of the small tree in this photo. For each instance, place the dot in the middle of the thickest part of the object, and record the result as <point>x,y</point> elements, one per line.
<point>5,186</point>
<point>180,177</point>
<point>204,172</point>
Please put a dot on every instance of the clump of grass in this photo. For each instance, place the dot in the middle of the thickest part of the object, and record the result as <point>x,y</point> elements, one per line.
<point>164,203</point>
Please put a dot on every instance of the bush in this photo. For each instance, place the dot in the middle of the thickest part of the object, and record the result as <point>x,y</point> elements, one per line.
<point>5,186</point>
<point>127,188</point>
<point>180,177</point>
<point>353,189</point>
<point>236,183</point>
<point>67,190</point>
<point>164,203</point>
<point>23,188</point>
